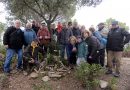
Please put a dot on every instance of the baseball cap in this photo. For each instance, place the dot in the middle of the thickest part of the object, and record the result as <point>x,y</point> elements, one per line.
<point>114,23</point>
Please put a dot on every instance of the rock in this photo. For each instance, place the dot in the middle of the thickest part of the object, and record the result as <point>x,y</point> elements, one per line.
<point>45,78</point>
<point>54,75</point>
<point>103,84</point>
<point>33,75</point>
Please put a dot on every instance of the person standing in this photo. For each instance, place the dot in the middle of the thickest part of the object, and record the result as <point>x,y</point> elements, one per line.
<point>35,26</point>
<point>117,38</point>
<point>63,40</point>
<point>103,42</point>
<point>76,31</point>
<point>29,34</point>
<point>93,47</point>
<point>13,40</point>
<point>44,37</point>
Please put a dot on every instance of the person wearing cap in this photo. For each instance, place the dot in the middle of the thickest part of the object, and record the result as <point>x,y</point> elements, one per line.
<point>117,38</point>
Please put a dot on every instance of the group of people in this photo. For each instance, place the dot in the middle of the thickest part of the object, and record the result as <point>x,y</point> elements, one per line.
<point>79,44</point>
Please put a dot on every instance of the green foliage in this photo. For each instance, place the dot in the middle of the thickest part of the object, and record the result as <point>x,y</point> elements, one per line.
<point>121,24</point>
<point>88,75</point>
<point>113,83</point>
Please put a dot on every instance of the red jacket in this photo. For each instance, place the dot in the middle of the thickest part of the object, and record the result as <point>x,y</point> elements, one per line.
<point>44,36</point>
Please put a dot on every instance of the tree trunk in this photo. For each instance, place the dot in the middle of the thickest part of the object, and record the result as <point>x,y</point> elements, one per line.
<point>49,25</point>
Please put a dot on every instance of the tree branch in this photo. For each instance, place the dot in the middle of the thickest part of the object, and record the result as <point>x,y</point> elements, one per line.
<point>40,14</point>
<point>54,17</point>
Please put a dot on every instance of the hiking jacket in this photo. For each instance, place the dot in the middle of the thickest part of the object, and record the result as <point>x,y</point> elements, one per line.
<point>76,32</point>
<point>29,35</point>
<point>93,45</point>
<point>117,38</point>
<point>82,50</point>
<point>102,40</point>
<point>64,36</point>
<point>14,38</point>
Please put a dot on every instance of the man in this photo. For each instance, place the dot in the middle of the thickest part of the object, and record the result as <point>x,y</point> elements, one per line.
<point>35,26</point>
<point>44,37</point>
<point>103,42</point>
<point>63,39</point>
<point>13,40</point>
<point>117,38</point>
<point>76,31</point>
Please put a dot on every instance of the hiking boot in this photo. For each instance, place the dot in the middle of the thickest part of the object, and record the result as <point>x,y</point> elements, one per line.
<point>116,74</point>
<point>109,72</point>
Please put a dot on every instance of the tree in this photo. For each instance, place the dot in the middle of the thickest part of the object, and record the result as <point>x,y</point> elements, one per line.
<point>2,27</point>
<point>47,10</point>
<point>121,24</point>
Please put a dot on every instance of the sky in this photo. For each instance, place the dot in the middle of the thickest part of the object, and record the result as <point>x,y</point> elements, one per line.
<point>117,9</point>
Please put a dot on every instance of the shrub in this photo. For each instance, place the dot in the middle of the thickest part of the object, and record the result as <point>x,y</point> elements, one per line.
<point>88,75</point>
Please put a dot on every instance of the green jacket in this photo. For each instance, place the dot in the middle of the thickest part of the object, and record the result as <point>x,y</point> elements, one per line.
<point>82,49</point>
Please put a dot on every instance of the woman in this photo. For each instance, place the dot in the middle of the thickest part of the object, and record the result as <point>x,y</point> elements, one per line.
<point>93,47</point>
<point>29,34</point>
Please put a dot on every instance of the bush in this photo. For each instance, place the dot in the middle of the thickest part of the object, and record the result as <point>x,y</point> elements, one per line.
<point>88,75</point>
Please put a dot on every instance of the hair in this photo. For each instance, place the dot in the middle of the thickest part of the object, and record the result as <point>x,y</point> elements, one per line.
<point>70,23</point>
<point>73,38</point>
<point>92,29</point>
<point>29,25</point>
<point>88,32</point>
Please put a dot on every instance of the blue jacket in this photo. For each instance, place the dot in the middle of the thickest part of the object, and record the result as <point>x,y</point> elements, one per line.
<point>29,35</point>
<point>102,40</point>
<point>82,49</point>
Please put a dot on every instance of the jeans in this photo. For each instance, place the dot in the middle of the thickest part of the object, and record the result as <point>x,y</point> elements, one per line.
<point>62,50</point>
<point>9,54</point>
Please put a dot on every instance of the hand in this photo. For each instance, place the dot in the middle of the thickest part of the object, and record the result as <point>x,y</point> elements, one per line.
<point>74,49</point>
<point>90,57</point>
<point>6,46</point>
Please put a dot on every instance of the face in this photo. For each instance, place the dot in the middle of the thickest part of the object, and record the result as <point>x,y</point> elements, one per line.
<point>85,34</point>
<point>64,25</point>
<point>72,41</point>
<point>100,26</point>
<point>114,26</point>
<point>17,24</point>
<point>75,24</point>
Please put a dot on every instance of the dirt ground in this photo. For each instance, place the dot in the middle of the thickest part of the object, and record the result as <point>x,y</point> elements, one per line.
<point>69,82</point>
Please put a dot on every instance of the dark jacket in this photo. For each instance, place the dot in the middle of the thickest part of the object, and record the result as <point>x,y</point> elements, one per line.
<point>14,38</point>
<point>28,52</point>
<point>76,32</point>
<point>64,36</point>
<point>117,38</point>
<point>93,45</point>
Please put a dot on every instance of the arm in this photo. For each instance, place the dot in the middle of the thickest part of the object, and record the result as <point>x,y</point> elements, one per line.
<point>85,49</point>
<point>94,46</point>
<point>6,36</point>
<point>98,35</point>
<point>127,35</point>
